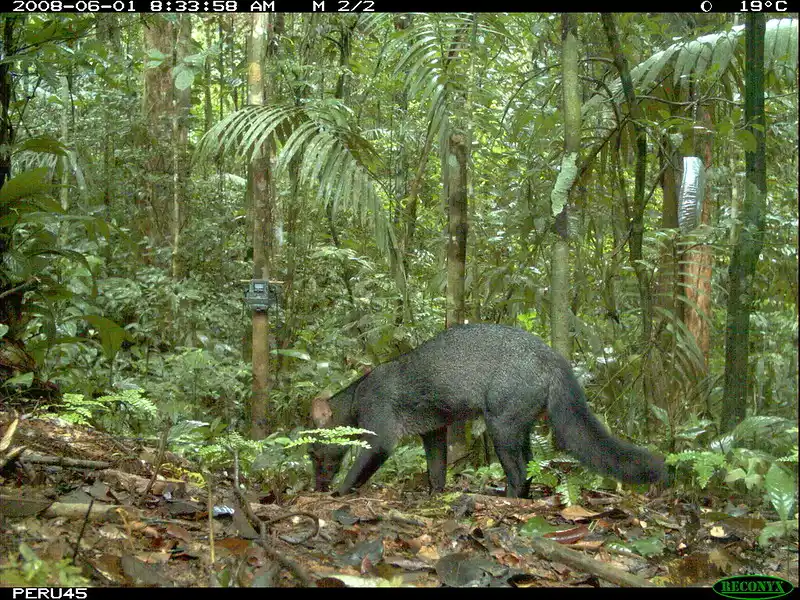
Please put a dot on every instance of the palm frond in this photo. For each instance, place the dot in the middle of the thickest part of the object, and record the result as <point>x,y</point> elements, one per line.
<point>333,158</point>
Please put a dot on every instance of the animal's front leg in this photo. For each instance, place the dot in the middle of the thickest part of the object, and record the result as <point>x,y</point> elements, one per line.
<point>365,466</point>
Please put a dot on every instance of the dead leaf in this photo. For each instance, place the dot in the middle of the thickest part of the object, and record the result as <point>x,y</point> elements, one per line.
<point>568,536</point>
<point>429,553</point>
<point>179,532</point>
<point>112,532</point>
<point>8,436</point>
<point>140,573</point>
<point>724,560</point>
<point>417,543</point>
<point>717,532</point>
<point>236,546</point>
<point>22,507</point>
<point>154,558</point>
<point>109,566</point>
<point>577,513</point>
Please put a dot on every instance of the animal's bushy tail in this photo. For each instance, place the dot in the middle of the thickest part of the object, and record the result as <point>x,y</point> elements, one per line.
<point>581,434</point>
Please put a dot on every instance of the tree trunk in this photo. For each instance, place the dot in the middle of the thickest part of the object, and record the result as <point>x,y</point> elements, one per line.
<point>456,173</point>
<point>108,34</point>
<point>559,260</point>
<point>665,284</point>
<point>635,214</point>
<point>751,235</point>
<point>157,109</point>
<point>208,109</point>
<point>11,304</point>
<point>262,193</point>
<point>181,105</point>
<point>698,262</point>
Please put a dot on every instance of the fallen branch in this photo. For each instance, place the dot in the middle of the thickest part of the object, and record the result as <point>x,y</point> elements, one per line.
<point>555,551</point>
<point>32,457</point>
<point>14,506</point>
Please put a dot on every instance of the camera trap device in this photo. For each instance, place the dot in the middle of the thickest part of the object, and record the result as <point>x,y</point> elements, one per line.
<point>261,294</point>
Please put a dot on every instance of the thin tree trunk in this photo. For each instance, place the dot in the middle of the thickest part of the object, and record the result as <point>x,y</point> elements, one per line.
<point>751,235</point>
<point>181,105</point>
<point>261,189</point>
<point>456,227</point>
<point>11,303</point>
<point>208,109</point>
<point>636,213</point>
<point>559,259</point>
<point>698,263</point>
<point>157,108</point>
<point>66,103</point>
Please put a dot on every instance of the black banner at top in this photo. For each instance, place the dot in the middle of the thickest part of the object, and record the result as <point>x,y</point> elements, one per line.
<point>772,7</point>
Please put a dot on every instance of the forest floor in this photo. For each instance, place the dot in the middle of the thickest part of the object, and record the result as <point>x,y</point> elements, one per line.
<point>70,494</point>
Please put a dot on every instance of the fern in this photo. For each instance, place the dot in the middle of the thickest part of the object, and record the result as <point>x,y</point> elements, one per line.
<point>549,471</point>
<point>133,401</point>
<point>341,436</point>
<point>77,409</point>
<point>702,464</point>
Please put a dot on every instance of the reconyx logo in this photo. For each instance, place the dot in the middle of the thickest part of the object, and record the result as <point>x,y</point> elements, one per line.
<point>752,586</point>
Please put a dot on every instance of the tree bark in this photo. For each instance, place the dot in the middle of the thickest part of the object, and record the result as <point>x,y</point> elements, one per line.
<point>457,226</point>
<point>262,194</point>
<point>751,235</point>
<point>636,213</point>
<point>157,109</point>
<point>559,260</point>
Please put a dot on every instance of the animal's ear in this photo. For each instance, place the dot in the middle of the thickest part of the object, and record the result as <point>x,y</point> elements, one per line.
<point>321,412</point>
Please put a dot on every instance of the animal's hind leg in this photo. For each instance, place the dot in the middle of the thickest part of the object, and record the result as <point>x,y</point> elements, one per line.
<point>435,443</point>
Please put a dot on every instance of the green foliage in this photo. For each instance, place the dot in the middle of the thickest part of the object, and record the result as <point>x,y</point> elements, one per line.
<point>78,409</point>
<point>538,526</point>
<point>214,447</point>
<point>643,546</point>
<point>755,470</point>
<point>405,463</point>
<point>220,452</point>
<point>712,56</point>
<point>334,157</point>
<point>547,468</point>
<point>28,570</point>
<point>703,465</point>
<point>341,436</point>
<point>127,412</point>
<point>777,529</point>
<point>194,380</point>
<point>483,475</point>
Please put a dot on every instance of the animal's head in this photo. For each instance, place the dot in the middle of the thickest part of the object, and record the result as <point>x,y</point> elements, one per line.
<point>326,458</point>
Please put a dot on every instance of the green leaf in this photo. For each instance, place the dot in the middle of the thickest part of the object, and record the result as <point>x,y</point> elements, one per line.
<point>111,334</point>
<point>43,144</point>
<point>155,58</point>
<point>289,352</point>
<point>3,329</point>
<point>538,526</point>
<point>25,379</point>
<point>781,488</point>
<point>647,547</point>
<point>28,183</point>
<point>735,475</point>
<point>746,139</point>
<point>776,530</point>
<point>183,78</point>
<point>660,414</point>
